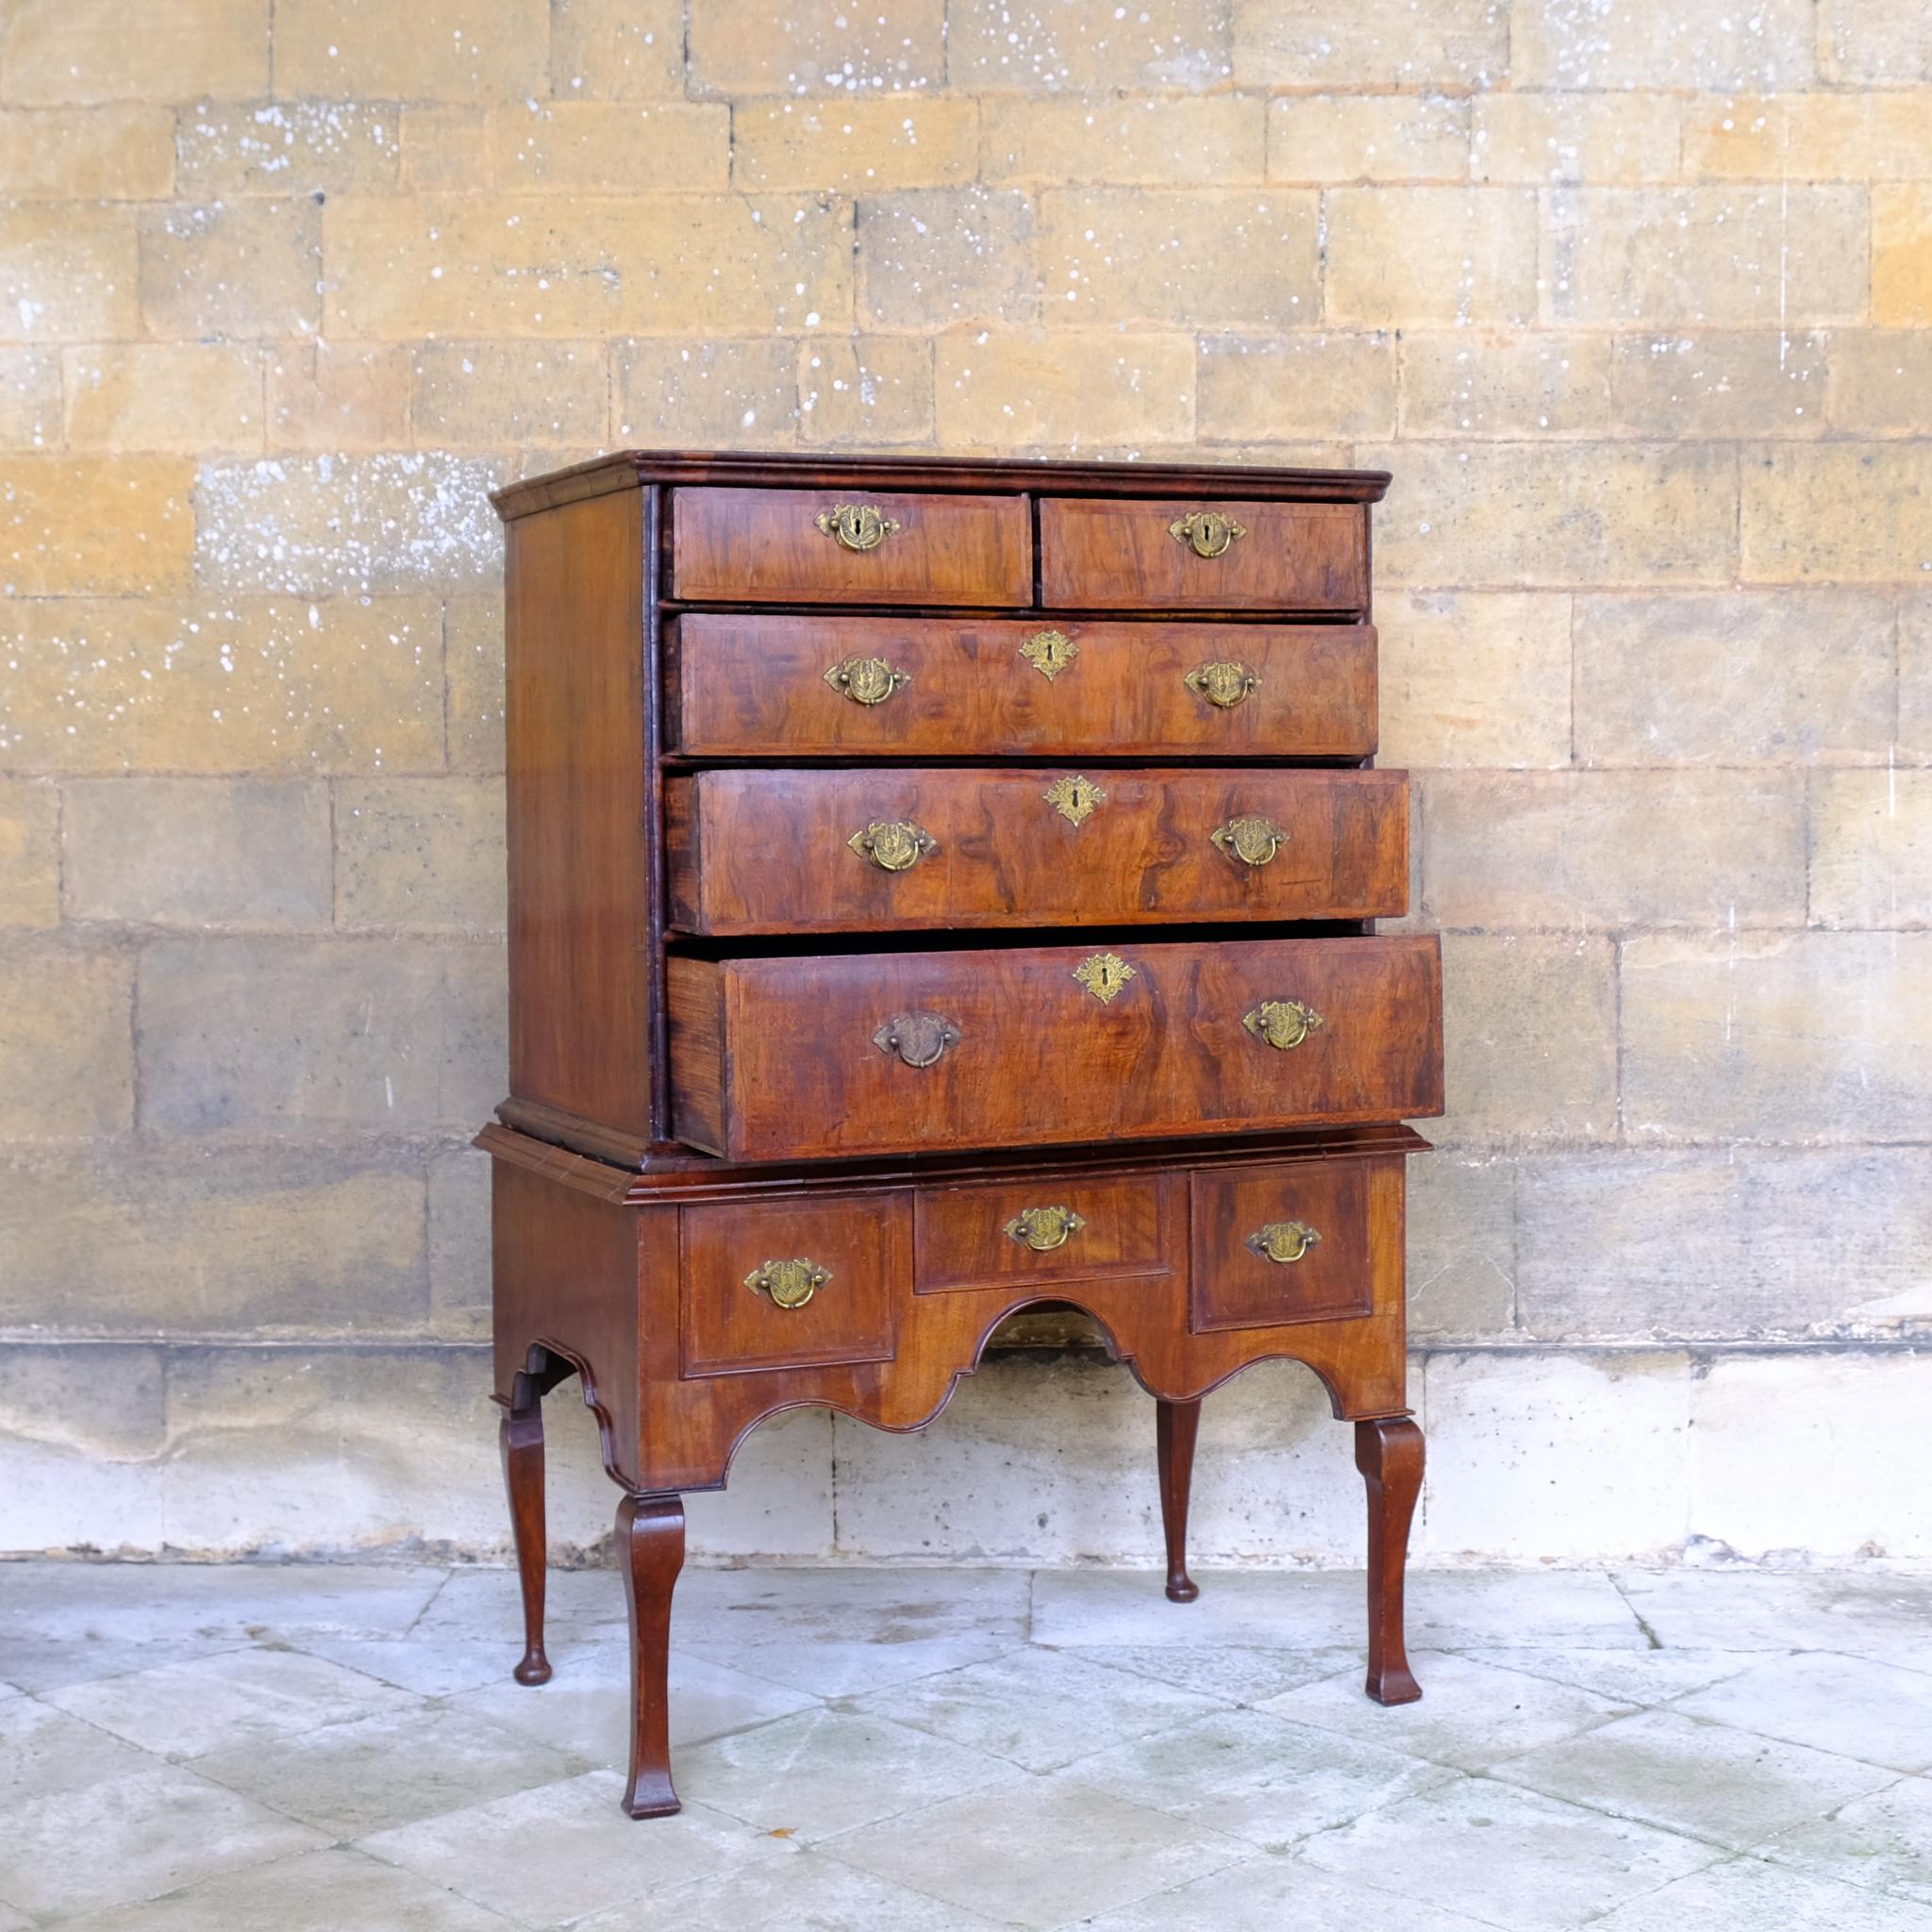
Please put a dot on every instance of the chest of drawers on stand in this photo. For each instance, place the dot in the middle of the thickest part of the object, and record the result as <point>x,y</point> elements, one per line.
<point>939,889</point>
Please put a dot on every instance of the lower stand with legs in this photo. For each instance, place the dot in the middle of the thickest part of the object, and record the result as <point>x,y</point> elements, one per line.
<point>650,1553</point>
<point>1176,1424</point>
<point>521,1435</point>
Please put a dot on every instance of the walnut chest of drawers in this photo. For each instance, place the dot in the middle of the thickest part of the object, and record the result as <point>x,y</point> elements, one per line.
<point>939,889</point>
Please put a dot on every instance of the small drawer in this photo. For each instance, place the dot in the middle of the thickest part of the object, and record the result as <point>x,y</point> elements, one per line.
<point>1107,554</point>
<point>1273,1246</point>
<point>780,1285</point>
<point>814,1056</point>
<point>1024,1233</point>
<point>849,546</point>
<point>768,851</point>
<point>751,684</point>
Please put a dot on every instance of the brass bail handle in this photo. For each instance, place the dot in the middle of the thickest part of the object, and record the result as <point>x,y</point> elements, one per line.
<point>1043,1230</point>
<point>1283,1023</point>
<point>918,1039</point>
<point>789,1284</point>
<point>1284,1242</point>
<point>894,844</point>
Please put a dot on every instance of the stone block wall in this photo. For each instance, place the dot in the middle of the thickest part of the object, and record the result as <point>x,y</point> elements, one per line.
<point>1634,299</point>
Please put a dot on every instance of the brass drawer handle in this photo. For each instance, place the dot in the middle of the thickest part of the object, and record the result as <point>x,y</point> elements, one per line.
<point>1073,797</point>
<point>894,844</point>
<point>789,1284</point>
<point>918,1039</point>
<point>1205,532</point>
<point>1049,652</point>
<point>1253,841</point>
<point>1224,685</point>
<point>866,680</point>
<point>1283,1241</point>
<point>1044,1229</point>
<point>1283,1023</point>
<point>856,526</point>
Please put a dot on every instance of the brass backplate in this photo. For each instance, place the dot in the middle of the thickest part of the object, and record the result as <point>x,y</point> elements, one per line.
<point>789,1284</point>
<point>866,680</point>
<point>1103,974</point>
<point>1207,532</point>
<point>1222,684</point>
<point>1049,652</point>
<point>1283,1023</point>
<point>1043,1230</point>
<point>1073,797</point>
<point>1252,841</point>
<point>894,844</point>
<point>1283,1241</point>
<point>856,526</point>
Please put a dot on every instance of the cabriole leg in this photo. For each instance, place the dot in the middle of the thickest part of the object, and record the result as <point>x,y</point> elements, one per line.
<point>1389,1453</point>
<point>650,1553</point>
<point>1176,1424</point>
<point>520,1435</point>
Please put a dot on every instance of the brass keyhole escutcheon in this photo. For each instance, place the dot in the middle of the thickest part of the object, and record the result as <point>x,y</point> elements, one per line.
<point>1253,841</point>
<point>856,526</point>
<point>918,1039</point>
<point>1043,1229</point>
<point>1073,797</point>
<point>789,1284</point>
<point>894,844</point>
<point>1222,684</point>
<point>866,680</point>
<point>1103,974</point>
<point>1207,532</point>
<point>1283,1023</point>
<point>1049,652</point>
<point>1283,1241</point>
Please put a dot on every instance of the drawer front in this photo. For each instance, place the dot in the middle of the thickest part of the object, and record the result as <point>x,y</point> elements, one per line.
<point>785,1284</point>
<point>856,546</point>
<point>1280,1244</point>
<point>1099,554</point>
<point>1009,1046</point>
<point>757,686</point>
<point>824,851</point>
<point>1018,1234</point>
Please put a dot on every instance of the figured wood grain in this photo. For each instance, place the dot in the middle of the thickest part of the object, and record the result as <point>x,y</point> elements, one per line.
<point>863,1241</point>
<point>753,685</point>
<point>1236,1288</point>
<point>1113,554</point>
<point>577,792</point>
<point>1133,1225</point>
<point>1040,1058</point>
<point>763,545</point>
<point>769,851</point>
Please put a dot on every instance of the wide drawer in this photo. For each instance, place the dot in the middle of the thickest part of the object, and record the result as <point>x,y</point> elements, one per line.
<point>864,1052</point>
<point>753,685</point>
<point>1288,1243</point>
<point>834,851</point>
<point>1079,1227</point>
<point>791,1284</point>
<point>1117,554</point>
<point>827,546</point>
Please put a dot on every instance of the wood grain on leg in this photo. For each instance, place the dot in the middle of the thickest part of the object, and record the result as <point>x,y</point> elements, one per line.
<point>650,1553</point>
<point>1389,1453</point>
<point>520,1435</point>
<point>1176,1424</point>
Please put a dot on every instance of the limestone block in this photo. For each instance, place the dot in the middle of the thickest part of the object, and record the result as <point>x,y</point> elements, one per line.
<point>69,273</point>
<point>459,1181</point>
<point>1611,139</point>
<point>289,148</point>
<point>328,399</point>
<point>1738,677</point>
<point>374,525</point>
<point>130,1240</point>
<point>231,268</point>
<point>1872,849</point>
<point>116,526</point>
<point>1881,382</point>
<point>1376,45</point>
<point>1050,46</point>
<point>1066,391</point>
<point>195,398</point>
<point>29,398</point>
<point>82,50</point>
<point>1161,140</point>
<point>194,852</point>
<point>1494,385</point>
<point>121,152</point>
<point>1841,512</point>
<point>1854,134</point>
<point>616,49</point>
<point>1719,383</point>
<point>610,147</point>
<point>1556,44</point>
<point>854,147</point>
<point>420,853</point>
<point>472,643</point>
<point>869,391</point>
<point>1725,1244</point>
<point>433,50</point>
<point>1540,1457</point>
<point>1297,385</point>
<point>1902,254</point>
<point>1330,138</point>
<point>946,254</point>
<point>1406,256</point>
<point>66,1069</point>
<point>813,46</point>
<point>1461,1248</point>
<point>397,1036</point>
<point>712,394</point>
<point>273,686</point>
<point>491,395</point>
<point>1582,851</point>
<point>1915,677</point>
<point>1868,40</point>
<point>1815,1036</point>
<point>1472,677</point>
<point>29,853</point>
<point>1530,1040</point>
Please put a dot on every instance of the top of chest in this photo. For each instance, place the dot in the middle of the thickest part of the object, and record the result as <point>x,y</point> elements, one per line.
<point>913,534</point>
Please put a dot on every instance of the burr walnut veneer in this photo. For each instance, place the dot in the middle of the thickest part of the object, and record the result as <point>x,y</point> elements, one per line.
<point>938,889</point>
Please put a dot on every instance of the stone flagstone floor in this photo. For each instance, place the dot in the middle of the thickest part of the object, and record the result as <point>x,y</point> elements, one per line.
<point>314,1749</point>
